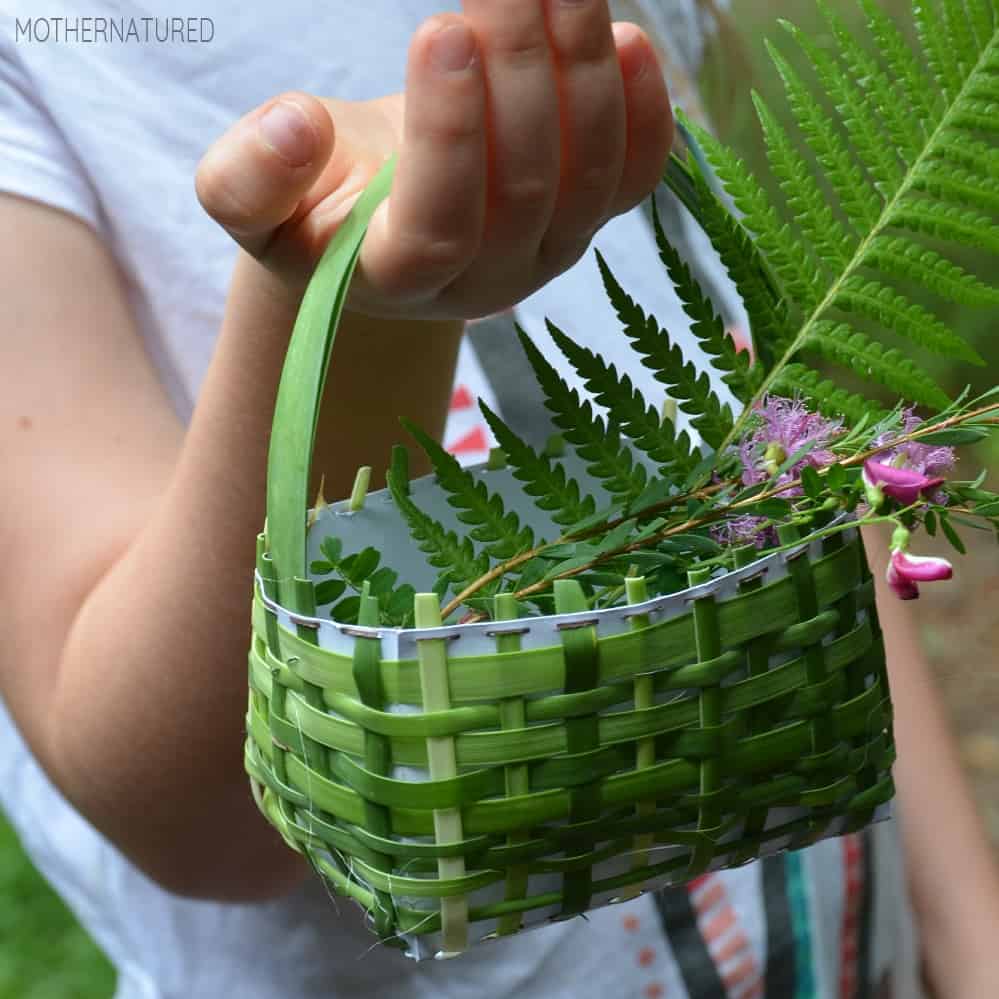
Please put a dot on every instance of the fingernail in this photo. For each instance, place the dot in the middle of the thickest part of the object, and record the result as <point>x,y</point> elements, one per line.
<point>633,51</point>
<point>452,49</point>
<point>287,130</point>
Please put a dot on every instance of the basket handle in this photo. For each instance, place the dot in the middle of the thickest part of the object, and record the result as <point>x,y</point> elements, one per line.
<point>296,410</point>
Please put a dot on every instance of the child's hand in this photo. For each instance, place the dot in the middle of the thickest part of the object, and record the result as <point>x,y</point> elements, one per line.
<point>525,125</point>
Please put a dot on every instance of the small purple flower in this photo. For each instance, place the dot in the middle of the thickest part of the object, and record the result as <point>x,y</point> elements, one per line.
<point>906,571</point>
<point>744,530</point>
<point>785,426</point>
<point>906,485</point>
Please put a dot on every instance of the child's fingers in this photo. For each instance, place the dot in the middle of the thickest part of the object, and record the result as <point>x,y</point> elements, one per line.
<point>649,118</point>
<point>253,177</point>
<point>593,133</point>
<point>431,227</point>
<point>523,110</point>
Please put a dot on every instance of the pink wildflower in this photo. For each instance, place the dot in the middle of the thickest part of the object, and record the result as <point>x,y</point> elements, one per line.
<point>785,426</point>
<point>906,571</point>
<point>931,460</point>
<point>905,485</point>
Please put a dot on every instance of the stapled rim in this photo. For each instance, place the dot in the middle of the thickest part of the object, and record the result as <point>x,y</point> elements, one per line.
<point>666,604</point>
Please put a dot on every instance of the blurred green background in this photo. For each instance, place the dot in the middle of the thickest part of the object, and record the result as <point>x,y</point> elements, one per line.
<point>45,955</point>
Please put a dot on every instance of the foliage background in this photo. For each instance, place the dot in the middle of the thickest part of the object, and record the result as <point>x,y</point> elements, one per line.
<point>44,954</point>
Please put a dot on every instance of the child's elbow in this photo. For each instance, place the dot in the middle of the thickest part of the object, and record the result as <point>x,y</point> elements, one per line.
<point>227,873</point>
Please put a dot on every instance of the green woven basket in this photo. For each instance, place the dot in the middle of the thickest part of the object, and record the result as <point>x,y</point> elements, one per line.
<point>468,781</point>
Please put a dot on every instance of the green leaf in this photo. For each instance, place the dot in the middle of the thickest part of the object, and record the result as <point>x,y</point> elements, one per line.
<point>356,568</point>
<point>346,611</point>
<point>329,590</point>
<point>331,547</point>
<point>958,435</point>
<point>951,535</point>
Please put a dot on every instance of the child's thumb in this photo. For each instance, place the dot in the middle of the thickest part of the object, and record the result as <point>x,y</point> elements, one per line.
<point>253,178</point>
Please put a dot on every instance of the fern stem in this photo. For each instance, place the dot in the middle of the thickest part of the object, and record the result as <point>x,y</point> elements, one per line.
<point>884,220</point>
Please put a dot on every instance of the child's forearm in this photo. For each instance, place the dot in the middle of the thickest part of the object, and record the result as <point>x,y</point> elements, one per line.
<point>147,723</point>
<point>953,875</point>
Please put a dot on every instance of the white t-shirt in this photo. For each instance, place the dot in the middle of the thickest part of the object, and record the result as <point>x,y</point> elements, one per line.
<point>108,123</point>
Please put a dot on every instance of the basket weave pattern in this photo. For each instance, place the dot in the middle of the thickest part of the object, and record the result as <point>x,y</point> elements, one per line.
<point>746,715</point>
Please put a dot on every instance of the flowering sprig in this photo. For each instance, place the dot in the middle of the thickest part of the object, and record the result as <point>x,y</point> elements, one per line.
<point>823,475</point>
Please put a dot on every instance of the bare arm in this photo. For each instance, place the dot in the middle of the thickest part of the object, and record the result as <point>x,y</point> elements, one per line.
<point>130,573</point>
<point>130,542</point>
<point>953,875</point>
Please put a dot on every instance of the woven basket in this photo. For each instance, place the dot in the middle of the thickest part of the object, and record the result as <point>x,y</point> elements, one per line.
<point>464,782</point>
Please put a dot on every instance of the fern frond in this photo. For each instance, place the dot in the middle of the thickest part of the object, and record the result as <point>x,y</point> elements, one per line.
<point>884,96</point>
<point>706,324</point>
<point>939,54</point>
<point>824,234</point>
<point>791,263</point>
<point>746,266</point>
<point>982,16</point>
<point>921,191</point>
<point>544,480</point>
<point>901,61</point>
<point>608,459</point>
<point>959,35</point>
<point>903,259</point>
<point>909,319</point>
<point>959,186</point>
<point>826,396</point>
<point>649,432</point>
<point>499,530</point>
<point>955,225</point>
<point>972,154</point>
<point>692,390</point>
<point>869,359</point>
<point>443,548</point>
<point>858,119</point>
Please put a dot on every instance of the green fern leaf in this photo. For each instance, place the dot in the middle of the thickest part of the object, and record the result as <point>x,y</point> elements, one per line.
<point>956,225</point>
<point>443,548</point>
<point>600,445</point>
<point>791,263</point>
<point>806,201</point>
<point>543,479</point>
<point>500,531</point>
<point>649,432</point>
<point>982,20</point>
<point>692,390</point>
<point>974,155</point>
<point>978,115</point>
<point>745,265</point>
<point>902,63</point>
<point>902,259</point>
<point>924,196</point>
<point>883,95</point>
<point>706,324</point>
<point>959,34</point>
<point>891,310</point>
<point>869,359</point>
<point>859,122</point>
<point>957,185</point>
<point>938,52</point>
